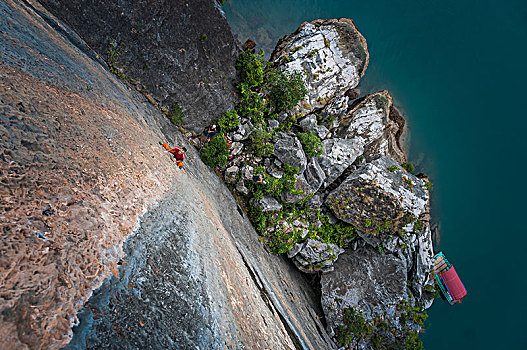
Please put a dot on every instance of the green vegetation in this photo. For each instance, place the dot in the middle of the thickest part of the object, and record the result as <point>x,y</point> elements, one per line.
<point>311,143</point>
<point>251,68</point>
<point>312,53</point>
<point>419,226</point>
<point>251,104</point>
<point>275,187</point>
<point>411,313</point>
<point>261,143</point>
<point>215,152</point>
<point>429,186</point>
<point>203,38</point>
<point>284,90</point>
<point>339,233</point>
<point>265,92</point>
<point>409,167</point>
<point>408,181</point>
<point>176,114</point>
<point>228,121</point>
<point>113,54</point>
<point>355,325</point>
<point>357,328</point>
<point>393,168</point>
<point>295,49</point>
<point>413,342</point>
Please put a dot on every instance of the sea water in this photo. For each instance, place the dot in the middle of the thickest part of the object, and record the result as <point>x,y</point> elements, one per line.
<point>457,71</point>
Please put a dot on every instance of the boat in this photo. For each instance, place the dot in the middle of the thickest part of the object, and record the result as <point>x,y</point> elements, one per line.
<point>447,279</point>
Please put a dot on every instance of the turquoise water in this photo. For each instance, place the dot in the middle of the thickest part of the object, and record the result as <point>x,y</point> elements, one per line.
<point>456,70</point>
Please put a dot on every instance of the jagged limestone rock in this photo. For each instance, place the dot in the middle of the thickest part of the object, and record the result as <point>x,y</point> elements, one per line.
<point>364,279</point>
<point>268,204</point>
<point>301,190</point>
<point>309,123</point>
<point>236,148</point>
<point>243,132</point>
<point>273,123</point>
<point>375,121</point>
<point>316,256</point>
<point>230,174</point>
<point>378,199</point>
<point>368,120</point>
<point>314,175</point>
<point>288,149</point>
<point>331,54</point>
<point>338,155</point>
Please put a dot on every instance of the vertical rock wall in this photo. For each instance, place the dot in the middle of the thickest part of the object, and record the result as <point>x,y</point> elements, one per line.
<point>80,165</point>
<point>178,51</point>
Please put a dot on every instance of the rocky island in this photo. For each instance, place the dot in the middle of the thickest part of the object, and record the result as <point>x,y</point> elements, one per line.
<point>315,234</point>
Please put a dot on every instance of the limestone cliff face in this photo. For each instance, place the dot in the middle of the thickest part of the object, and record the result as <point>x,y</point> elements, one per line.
<point>81,171</point>
<point>332,55</point>
<point>179,51</point>
<point>384,273</point>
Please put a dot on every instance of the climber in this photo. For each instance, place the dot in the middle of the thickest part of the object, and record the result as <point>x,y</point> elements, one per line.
<point>178,152</point>
<point>211,131</point>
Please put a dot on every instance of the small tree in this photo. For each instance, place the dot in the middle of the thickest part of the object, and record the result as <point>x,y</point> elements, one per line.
<point>409,167</point>
<point>228,121</point>
<point>251,68</point>
<point>215,152</point>
<point>284,90</point>
<point>311,143</point>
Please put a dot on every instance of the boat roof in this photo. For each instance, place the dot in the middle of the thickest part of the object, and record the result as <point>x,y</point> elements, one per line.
<point>454,284</point>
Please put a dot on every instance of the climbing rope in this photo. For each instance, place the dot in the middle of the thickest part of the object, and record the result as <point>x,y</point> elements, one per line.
<point>197,156</point>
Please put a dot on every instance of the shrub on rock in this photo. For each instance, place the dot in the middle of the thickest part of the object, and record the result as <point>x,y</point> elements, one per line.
<point>311,143</point>
<point>229,121</point>
<point>251,68</point>
<point>284,89</point>
<point>215,152</point>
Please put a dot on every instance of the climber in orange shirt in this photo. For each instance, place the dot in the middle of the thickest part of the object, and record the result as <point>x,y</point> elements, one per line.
<point>178,152</point>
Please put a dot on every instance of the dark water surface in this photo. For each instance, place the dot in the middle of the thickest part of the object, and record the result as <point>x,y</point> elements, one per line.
<point>456,69</point>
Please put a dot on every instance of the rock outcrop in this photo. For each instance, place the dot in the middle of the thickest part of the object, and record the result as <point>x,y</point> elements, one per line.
<point>176,51</point>
<point>383,274</point>
<point>288,149</point>
<point>332,55</point>
<point>371,282</point>
<point>371,120</point>
<point>81,172</point>
<point>379,198</point>
<point>313,256</point>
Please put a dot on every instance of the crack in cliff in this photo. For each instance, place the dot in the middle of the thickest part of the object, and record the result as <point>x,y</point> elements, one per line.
<point>266,297</point>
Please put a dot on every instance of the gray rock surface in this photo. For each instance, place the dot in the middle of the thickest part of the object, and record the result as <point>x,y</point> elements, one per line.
<point>338,155</point>
<point>309,123</point>
<point>302,188</point>
<point>331,54</point>
<point>372,121</point>
<point>378,201</point>
<point>314,175</point>
<point>244,131</point>
<point>268,204</point>
<point>314,256</point>
<point>288,149</point>
<point>367,280</point>
<point>180,51</point>
<point>192,275</point>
